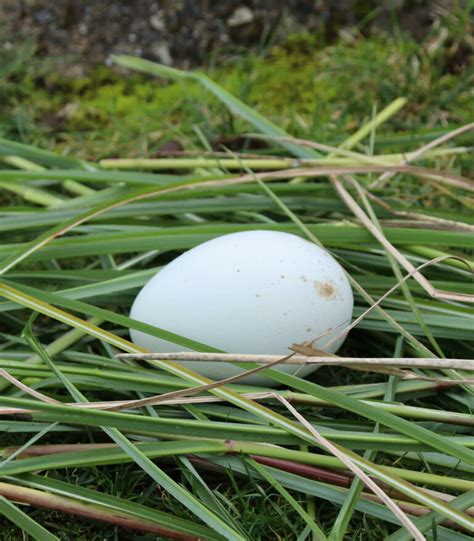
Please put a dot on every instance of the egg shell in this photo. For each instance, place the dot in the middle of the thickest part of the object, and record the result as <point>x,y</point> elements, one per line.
<point>247,292</point>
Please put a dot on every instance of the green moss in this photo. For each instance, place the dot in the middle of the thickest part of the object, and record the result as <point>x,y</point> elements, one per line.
<point>316,93</point>
<point>311,90</point>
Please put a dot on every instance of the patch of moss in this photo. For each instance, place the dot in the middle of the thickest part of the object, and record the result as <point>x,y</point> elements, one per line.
<point>311,90</point>
<point>321,92</point>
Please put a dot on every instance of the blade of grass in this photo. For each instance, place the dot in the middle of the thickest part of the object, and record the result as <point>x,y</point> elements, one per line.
<point>396,270</point>
<point>327,492</point>
<point>28,444</point>
<point>83,502</point>
<point>424,523</point>
<point>406,362</point>
<point>349,200</point>
<point>114,455</point>
<point>344,516</point>
<point>39,156</point>
<point>365,130</point>
<point>33,194</point>
<point>113,503</point>
<point>318,534</point>
<point>346,458</point>
<point>23,521</point>
<point>206,495</point>
<point>405,427</point>
<point>156,473</point>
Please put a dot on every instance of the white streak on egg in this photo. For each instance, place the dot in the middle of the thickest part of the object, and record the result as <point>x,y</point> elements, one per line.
<point>248,292</point>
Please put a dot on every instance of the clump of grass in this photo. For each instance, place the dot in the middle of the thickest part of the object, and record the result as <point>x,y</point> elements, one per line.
<point>81,237</point>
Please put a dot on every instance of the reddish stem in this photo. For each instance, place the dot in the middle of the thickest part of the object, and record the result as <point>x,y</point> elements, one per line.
<point>38,498</point>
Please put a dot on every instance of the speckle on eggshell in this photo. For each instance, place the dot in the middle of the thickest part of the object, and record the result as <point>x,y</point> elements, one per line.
<point>327,289</point>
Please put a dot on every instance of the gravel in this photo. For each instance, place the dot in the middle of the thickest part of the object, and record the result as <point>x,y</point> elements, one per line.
<point>185,33</point>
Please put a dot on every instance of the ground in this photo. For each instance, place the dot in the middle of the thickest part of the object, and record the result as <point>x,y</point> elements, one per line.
<point>187,33</point>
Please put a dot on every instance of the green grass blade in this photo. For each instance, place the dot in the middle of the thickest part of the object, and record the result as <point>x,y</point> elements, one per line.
<point>23,521</point>
<point>114,504</point>
<point>405,427</point>
<point>206,495</point>
<point>156,450</point>
<point>318,534</point>
<point>464,501</point>
<point>350,404</point>
<point>154,471</point>
<point>26,445</point>
<point>379,119</point>
<point>39,156</point>
<point>112,177</point>
<point>116,318</point>
<point>174,488</point>
<point>336,495</point>
<point>184,237</point>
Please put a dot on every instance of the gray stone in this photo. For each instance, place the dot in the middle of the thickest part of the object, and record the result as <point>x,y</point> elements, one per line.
<point>242,15</point>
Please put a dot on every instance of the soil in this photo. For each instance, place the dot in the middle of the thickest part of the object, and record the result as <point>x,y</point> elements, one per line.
<point>186,33</point>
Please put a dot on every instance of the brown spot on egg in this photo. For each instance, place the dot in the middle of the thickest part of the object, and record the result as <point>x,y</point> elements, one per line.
<point>327,290</point>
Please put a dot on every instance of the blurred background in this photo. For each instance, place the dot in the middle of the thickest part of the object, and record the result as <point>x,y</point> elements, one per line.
<point>187,32</point>
<point>318,68</point>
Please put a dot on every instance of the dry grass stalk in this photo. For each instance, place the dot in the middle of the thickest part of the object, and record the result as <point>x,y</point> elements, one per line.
<point>409,362</point>
<point>402,260</point>
<point>348,462</point>
<point>411,156</point>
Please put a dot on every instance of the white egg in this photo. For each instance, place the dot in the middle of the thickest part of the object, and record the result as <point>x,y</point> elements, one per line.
<point>248,292</point>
